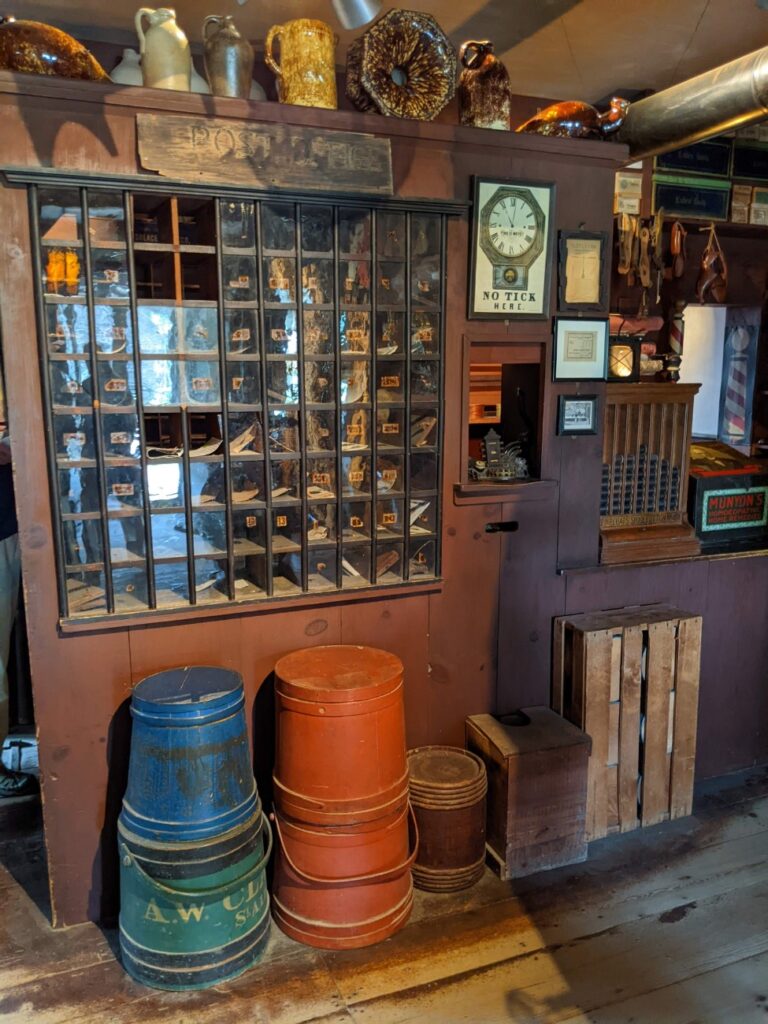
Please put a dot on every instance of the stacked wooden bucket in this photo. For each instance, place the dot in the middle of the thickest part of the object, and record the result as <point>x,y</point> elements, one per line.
<point>345,842</point>
<point>448,788</point>
<point>193,840</point>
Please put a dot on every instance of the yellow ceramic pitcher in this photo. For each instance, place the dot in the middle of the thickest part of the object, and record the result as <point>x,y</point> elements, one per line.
<point>306,74</point>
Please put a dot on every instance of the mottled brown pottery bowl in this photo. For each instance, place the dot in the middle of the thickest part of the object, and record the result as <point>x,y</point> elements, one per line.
<point>39,49</point>
<point>408,65</point>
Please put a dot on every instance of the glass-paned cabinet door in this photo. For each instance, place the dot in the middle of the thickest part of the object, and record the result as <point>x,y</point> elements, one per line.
<point>243,395</point>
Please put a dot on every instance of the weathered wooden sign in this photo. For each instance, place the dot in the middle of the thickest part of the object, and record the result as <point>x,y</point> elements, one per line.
<point>264,155</point>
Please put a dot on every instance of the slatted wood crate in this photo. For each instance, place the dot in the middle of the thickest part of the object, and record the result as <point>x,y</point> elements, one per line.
<point>630,679</point>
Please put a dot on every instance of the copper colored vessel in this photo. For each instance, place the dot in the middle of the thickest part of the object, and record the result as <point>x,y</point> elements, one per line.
<point>40,49</point>
<point>573,119</point>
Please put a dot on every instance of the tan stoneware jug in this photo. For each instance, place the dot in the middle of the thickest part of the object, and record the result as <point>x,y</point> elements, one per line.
<point>306,74</point>
<point>166,62</point>
<point>228,57</point>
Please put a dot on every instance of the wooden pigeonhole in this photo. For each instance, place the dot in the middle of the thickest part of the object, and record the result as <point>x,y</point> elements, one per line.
<point>630,679</point>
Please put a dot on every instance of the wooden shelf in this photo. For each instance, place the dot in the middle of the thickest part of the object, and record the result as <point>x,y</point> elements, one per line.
<point>712,556</point>
<point>725,228</point>
<point>486,493</point>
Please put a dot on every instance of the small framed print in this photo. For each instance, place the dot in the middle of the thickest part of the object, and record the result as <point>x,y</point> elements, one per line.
<point>511,252</point>
<point>577,414</point>
<point>583,271</point>
<point>580,349</point>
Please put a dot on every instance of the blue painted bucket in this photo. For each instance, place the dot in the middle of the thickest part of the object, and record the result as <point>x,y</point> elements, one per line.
<point>190,775</point>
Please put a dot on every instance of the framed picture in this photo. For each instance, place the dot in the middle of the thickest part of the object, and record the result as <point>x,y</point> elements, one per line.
<point>583,271</point>
<point>577,414</point>
<point>511,252</point>
<point>580,349</point>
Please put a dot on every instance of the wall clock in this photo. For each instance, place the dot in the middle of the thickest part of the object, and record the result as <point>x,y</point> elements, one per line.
<point>511,250</point>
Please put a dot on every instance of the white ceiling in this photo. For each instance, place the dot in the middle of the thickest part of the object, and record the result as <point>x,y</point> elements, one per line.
<point>569,49</point>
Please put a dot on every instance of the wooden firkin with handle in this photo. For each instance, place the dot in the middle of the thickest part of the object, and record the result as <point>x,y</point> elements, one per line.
<point>537,789</point>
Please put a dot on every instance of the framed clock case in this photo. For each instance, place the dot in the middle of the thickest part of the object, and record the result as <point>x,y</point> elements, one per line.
<point>511,251</point>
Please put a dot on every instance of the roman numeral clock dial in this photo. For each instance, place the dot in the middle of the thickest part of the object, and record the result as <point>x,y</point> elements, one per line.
<point>511,234</point>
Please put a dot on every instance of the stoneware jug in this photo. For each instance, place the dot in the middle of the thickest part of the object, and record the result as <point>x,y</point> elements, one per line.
<point>484,90</point>
<point>166,62</point>
<point>228,57</point>
<point>306,74</point>
<point>128,70</point>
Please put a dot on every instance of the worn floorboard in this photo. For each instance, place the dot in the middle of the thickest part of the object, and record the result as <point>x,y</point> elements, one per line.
<point>660,926</point>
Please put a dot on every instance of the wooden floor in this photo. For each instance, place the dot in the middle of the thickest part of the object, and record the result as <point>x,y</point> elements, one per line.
<point>666,926</point>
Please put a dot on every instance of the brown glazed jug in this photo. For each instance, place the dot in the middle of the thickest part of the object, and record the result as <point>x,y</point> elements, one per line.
<point>484,91</point>
<point>228,57</point>
<point>306,74</point>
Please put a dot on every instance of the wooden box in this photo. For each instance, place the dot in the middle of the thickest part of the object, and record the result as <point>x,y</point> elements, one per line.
<point>630,679</point>
<point>537,789</point>
<point>728,498</point>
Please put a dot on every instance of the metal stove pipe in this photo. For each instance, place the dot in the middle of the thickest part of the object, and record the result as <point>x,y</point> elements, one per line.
<point>728,97</point>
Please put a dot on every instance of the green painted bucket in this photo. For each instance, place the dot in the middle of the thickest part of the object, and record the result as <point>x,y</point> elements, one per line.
<point>194,914</point>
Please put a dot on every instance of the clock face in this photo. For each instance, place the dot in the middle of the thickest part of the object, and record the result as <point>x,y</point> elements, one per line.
<point>512,226</point>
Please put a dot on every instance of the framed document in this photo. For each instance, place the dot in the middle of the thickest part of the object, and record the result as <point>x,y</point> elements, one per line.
<point>580,349</point>
<point>511,251</point>
<point>583,271</point>
<point>577,414</point>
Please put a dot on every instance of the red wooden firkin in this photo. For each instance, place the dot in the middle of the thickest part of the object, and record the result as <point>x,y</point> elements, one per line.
<point>537,789</point>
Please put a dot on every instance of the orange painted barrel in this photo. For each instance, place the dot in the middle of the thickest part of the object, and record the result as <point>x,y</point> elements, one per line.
<point>344,887</point>
<point>448,789</point>
<point>340,743</point>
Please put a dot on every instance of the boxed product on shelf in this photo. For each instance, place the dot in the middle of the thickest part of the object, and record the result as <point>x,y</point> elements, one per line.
<point>727,498</point>
<point>740,214</point>
<point>758,213</point>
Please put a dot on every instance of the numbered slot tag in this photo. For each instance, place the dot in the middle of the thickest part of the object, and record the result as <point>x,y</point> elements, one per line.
<point>116,382</point>
<point>356,474</point>
<point>110,274</point>
<point>202,382</point>
<point>239,279</point>
<point>240,331</point>
<point>390,385</point>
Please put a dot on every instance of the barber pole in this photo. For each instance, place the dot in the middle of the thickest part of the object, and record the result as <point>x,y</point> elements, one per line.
<point>735,407</point>
<point>676,329</point>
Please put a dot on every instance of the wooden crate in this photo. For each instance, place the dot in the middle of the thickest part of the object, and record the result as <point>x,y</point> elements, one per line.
<point>537,790</point>
<point>630,679</point>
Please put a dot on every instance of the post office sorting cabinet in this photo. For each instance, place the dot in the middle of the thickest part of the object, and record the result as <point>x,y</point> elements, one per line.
<point>243,394</point>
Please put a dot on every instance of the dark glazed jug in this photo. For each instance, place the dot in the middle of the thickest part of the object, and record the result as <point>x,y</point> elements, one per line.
<point>484,92</point>
<point>228,58</point>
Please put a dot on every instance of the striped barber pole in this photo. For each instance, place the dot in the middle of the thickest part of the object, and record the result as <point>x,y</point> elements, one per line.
<point>735,409</point>
<point>676,329</point>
